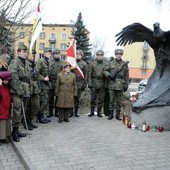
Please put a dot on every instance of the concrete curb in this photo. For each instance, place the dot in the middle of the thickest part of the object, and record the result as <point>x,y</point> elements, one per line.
<point>25,160</point>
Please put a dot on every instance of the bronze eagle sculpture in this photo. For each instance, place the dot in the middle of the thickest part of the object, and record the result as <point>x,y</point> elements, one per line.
<point>157,92</point>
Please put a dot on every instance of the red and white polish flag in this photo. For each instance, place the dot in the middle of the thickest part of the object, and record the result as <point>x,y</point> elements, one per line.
<point>71,58</point>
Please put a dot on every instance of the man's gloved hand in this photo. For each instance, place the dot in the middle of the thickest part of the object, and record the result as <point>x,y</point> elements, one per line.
<point>83,87</point>
<point>111,77</point>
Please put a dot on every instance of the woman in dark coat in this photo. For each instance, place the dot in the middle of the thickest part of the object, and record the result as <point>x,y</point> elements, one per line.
<point>66,92</point>
<point>5,106</point>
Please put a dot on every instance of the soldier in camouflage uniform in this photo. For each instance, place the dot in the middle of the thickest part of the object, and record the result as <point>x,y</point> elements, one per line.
<point>34,102</point>
<point>56,66</point>
<point>96,82</point>
<point>20,89</point>
<point>81,83</point>
<point>43,68</point>
<point>117,73</point>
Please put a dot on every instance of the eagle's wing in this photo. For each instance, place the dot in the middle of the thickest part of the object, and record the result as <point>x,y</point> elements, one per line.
<point>167,36</point>
<point>135,32</point>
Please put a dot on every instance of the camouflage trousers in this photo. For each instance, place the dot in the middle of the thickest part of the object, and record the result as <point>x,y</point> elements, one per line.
<point>44,103</point>
<point>34,106</point>
<point>77,101</point>
<point>97,97</point>
<point>18,110</point>
<point>115,99</point>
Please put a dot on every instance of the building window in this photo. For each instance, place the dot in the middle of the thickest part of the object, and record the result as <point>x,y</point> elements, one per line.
<point>41,46</point>
<point>63,57</point>
<point>146,45</point>
<point>143,72</point>
<point>42,35</point>
<point>63,36</point>
<point>63,47</point>
<point>52,37</point>
<point>21,35</point>
<point>144,64</point>
<point>52,46</point>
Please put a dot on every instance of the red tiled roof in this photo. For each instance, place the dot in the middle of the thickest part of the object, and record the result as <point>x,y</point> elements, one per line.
<point>136,73</point>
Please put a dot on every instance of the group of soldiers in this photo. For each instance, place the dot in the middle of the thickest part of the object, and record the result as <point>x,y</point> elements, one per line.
<point>36,91</point>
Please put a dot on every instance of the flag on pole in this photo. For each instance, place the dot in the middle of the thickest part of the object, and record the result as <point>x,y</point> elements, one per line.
<point>71,58</point>
<point>37,28</point>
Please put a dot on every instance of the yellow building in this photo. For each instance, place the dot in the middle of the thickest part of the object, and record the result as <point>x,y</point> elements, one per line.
<point>141,60</point>
<point>52,35</point>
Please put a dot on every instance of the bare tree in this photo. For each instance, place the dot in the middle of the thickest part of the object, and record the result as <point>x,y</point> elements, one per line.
<point>13,13</point>
<point>97,44</point>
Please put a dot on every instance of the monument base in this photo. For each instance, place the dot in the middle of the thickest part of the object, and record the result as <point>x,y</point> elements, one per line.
<point>154,116</point>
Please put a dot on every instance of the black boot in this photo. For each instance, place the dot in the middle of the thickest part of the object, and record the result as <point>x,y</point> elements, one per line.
<point>99,112</point>
<point>20,134</point>
<point>32,124</point>
<point>118,115</point>
<point>15,136</point>
<point>28,124</point>
<point>92,112</point>
<point>56,111</point>
<point>43,120</point>
<point>76,112</point>
<point>50,111</point>
<point>71,113</point>
<point>110,115</point>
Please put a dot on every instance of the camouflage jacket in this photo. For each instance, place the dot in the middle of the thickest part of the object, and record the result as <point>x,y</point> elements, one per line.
<point>35,84</point>
<point>55,68</point>
<point>80,82</point>
<point>20,83</point>
<point>43,69</point>
<point>122,78</point>
<point>96,78</point>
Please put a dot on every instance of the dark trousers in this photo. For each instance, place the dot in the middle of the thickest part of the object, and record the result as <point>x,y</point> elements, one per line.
<point>64,113</point>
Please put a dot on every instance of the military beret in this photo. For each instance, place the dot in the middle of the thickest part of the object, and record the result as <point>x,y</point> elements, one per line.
<point>46,49</point>
<point>5,75</point>
<point>100,52</point>
<point>119,51</point>
<point>56,51</point>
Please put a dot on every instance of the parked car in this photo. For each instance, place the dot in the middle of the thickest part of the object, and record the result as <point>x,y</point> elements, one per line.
<point>142,85</point>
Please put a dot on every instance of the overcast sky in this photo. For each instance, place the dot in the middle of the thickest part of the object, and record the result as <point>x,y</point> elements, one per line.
<point>105,18</point>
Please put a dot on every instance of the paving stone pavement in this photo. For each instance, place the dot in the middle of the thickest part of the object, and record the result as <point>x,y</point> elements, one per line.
<point>9,159</point>
<point>94,144</point>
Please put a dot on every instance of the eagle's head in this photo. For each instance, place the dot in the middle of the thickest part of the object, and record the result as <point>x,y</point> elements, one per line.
<point>157,33</point>
<point>156,26</point>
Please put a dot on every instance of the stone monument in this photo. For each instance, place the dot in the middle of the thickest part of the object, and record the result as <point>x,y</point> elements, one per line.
<point>153,106</point>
